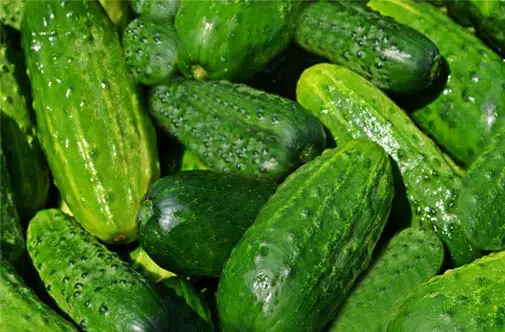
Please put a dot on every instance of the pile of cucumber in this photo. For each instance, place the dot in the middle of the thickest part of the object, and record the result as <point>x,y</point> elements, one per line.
<point>252,166</point>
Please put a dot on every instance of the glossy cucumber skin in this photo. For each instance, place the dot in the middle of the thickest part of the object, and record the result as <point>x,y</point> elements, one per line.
<point>92,285</point>
<point>469,299</point>
<point>309,243</point>
<point>12,242</point>
<point>351,107</point>
<point>155,9</point>
<point>411,257</point>
<point>480,205</point>
<point>392,56</point>
<point>21,310</point>
<point>471,107</point>
<point>233,128</point>
<point>98,140</point>
<point>233,40</point>
<point>29,173</point>
<point>151,51</point>
<point>190,221</point>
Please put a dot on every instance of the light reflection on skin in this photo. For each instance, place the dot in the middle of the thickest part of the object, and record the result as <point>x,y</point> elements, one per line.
<point>396,54</point>
<point>168,208</point>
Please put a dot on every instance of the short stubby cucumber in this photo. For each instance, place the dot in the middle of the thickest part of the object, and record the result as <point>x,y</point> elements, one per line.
<point>472,104</point>
<point>233,128</point>
<point>159,10</point>
<point>480,206</point>
<point>150,51</point>
<point>12,241</point>
<point>410,258</point>
<point>233,40</point>
<point>29,174</point>
<point>22,310</point>
<point>190,221</point>
<point>99,142</point>
<point>309,243</point>
<point>392,56</point>
<point>352,107</point>
<point>469,299</point>
<point>92,285</point>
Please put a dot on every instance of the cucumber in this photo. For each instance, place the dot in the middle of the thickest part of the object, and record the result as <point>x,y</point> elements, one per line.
<point>309,243</point>
<point>22,310</point>
<point>29,180</point>
<point>232,40</point>
<point>352,107</point>
<point>471,107</point>
<point>99,142</point>
<point>191,162</point>
<point>392,56</point>
<point>146,266</point>
<point>480,205</point>
<point>150,51</point>
<point>92,285</point>
<point>468,299</point>
<point>12,242</point>
<point>211,209</point>
<point>11,12</point>
<point>159,10</point>
<point>410,258</point>
<point>233,128</point>
<point>118,12</point>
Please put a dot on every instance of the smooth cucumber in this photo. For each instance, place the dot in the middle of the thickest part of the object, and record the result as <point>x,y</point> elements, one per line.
<point>309,243</point>
<point>22,310</point>
<point>410,258</point>
<point>392,56</point>
<point>29,174</point>
<point>480,205</point>
<point>467,299</point>
<point>190,221</point>
<point>92,285</point>
<point>99,141</point>
<point>159,10</point>
<point>233,40</point>
<point>471,106</point>
<point>352,107</point>
<point>151,51</point>
<point>233,128</point>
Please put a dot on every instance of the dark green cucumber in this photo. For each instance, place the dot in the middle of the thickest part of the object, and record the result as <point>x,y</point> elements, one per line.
<point>471,107</point>
<point>468,299</point>
<point>159,10</point>
<point>233,40</point>
<point>352,107</point>
<point>190,221</point>
<point>309,243</point>
<point>233,128</point>
<point>29,174</point>
<point>12,242</point>
<point>410,258</point>
<point>150,51</point>
<point>21,309</point>
<point>99,141</point>
<point>11,12</point>
<point>146,266</point>
<point>392,56</point>
<point>92,285</point>
<point>480,206</point>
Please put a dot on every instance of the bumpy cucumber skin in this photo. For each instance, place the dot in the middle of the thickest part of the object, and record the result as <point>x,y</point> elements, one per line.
<point>352,107</point>
<point>99,142</point>
<point>392,56</point>
<point>309,243</point>
<point>29,173</point>
<point>21,310</point>
<point>472,105</point>
<point>155,9</point>
<point>12,242</point>
<point>410,258</point>
<point>150,51</point>
<point>480,205</point>
<point>233,40</point>
<point>469,299</point>
<point>11,12</point>
<point>190,221</point>
<point>92,285</point>
<point>233,128</point>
